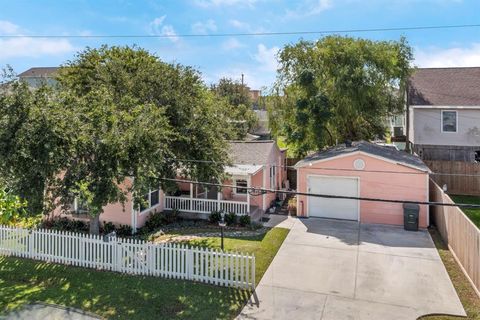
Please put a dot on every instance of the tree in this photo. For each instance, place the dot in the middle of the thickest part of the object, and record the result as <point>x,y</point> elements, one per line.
<point>336,89</point>
<point>34,141</point>
<point>241,116</point>
<point>136,119</point>
<point>12,208</point>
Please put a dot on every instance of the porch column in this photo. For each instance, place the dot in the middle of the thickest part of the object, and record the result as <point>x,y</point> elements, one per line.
<point>248,193</point>
<point>191,196</point>
<point>264,183</point>
<point>219,197</point>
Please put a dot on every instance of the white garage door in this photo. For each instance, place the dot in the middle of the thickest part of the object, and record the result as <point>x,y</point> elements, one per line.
<point>333,208</point>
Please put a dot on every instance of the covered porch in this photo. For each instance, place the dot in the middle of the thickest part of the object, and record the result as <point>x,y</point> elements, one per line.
<point>236,198</point>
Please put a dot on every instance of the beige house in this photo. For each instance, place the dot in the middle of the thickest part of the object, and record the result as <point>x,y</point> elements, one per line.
<point>444,113</point>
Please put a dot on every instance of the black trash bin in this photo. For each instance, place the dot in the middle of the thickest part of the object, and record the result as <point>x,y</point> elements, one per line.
<point>410,216</point>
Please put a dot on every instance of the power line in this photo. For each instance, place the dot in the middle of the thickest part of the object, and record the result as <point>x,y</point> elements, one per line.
<point>341,169</point>
<point>267,190</point>
<point>246,34</point>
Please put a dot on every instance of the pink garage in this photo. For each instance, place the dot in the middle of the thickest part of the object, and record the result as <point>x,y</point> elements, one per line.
<point>365,170</point>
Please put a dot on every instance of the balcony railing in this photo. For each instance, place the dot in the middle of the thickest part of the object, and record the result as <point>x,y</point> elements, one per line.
<point>205,205</point>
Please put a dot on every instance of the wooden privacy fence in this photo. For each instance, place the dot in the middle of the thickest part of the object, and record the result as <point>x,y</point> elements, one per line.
<point>459,232</point>
<point>462,177</point>
<point>131,256</point>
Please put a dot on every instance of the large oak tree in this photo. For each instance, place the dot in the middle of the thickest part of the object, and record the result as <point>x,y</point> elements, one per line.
<point>337,88</point>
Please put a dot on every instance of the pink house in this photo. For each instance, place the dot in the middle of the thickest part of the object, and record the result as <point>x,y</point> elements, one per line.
<point>362,170</point>
<point>259,164</point>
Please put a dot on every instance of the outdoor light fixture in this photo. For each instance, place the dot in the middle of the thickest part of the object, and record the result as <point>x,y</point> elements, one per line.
<point>444,188</point>
<point>222,225</point>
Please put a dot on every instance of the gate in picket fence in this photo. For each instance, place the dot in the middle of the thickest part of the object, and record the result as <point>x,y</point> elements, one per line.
<point>171,260</point>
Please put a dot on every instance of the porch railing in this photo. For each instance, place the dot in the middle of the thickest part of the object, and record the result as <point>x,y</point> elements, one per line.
<point>205,205</point>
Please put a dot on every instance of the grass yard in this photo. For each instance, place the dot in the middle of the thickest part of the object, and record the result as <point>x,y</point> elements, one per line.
<point>468,297</point>
<point>472,213</point>
<point>119,296</point>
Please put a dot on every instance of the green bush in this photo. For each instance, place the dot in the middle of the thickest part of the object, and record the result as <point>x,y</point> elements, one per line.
<point>244,220</point>
<point>230,218</point>
<point>124,230</point>
<point>155,220</point>
<point>108,227</point>
<point>171,216</point>
<point>65,224</point>
<point>215,217</point>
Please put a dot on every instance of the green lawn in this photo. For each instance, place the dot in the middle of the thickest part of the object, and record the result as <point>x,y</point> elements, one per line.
<point>120,296</point>
<point>472,213</point>
<point>468,297</point>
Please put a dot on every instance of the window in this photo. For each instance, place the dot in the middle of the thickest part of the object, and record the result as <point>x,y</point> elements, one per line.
<point>449,121</point>
<point>151,200</point>
<point>80,206</point>
<point>477,156</point>
<point>241,183</point>
<point>272,177</point>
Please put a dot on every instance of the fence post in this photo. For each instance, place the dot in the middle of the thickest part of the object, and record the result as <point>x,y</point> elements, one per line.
<point>190,262</point>
<point>31,252</point>
<point>253,272</point>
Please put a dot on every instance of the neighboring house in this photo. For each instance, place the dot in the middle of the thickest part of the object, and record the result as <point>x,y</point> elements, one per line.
<point>259,164</point>
<point>444,113</point>
<point>366,170</point>
<point>37,76</point>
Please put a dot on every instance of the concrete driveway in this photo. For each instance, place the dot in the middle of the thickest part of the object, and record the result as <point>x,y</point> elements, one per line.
<point>329,269</point>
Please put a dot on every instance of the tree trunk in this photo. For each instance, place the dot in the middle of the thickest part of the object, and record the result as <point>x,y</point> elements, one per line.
<point>95,224</point>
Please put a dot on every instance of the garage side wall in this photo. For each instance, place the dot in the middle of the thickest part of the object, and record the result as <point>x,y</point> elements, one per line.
<point>406,184</point>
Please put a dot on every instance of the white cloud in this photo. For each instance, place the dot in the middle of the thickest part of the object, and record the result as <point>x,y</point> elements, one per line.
<point>204,27</point>
<point>33,47</point>
<point>231,44</point>
<point>451,57</point>
<point>239,24</point>
<point>6,27</point>
<point>158,28</point>
<point>218,3</point>
<point>24,46</point>
<point>267,58</point>
<point>310,8</point>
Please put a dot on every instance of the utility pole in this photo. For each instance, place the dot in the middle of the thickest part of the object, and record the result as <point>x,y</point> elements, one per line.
<point>242,79</point>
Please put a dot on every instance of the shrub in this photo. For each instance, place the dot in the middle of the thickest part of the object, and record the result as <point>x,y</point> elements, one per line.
<point>65,224</point>
<point>244,220</point>
<point>108,227</point>
<point>124,230</point>
<point>292,206</point>
<point>155,220</point>
<point>171,216</point>
<point>230,218</point>
<point>215,217</point>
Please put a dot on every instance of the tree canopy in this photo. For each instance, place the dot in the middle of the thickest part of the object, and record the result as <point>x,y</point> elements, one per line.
<point>240,113</point>
<point>336,89</point>
<point>117,114</point>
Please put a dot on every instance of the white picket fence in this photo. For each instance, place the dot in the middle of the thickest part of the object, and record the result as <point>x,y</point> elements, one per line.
<point>132,256</point>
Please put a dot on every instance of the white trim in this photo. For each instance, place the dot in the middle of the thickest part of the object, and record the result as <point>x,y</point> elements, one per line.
<point>444,107</point>
<point>264,182</point>
<point>359,153</point>
<point>456,121</point>
<point>307,214</point>
<point>150,209</point>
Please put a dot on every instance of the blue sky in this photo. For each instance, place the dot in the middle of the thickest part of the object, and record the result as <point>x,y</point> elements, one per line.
<point>230,56</point>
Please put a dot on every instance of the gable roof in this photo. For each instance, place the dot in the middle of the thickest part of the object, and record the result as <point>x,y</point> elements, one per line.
<point>251,152</point>
<point>445,87</point>
<point>39,72</point>
<point>400,157</point>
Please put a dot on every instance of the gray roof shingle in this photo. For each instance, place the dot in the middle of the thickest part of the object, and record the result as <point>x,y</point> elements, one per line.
<point>400,157</point>
<point>39,72</point>
<point>445,87</point>
<point>251,152</point>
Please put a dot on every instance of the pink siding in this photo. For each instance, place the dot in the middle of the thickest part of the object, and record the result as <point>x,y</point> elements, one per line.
<point>115,212</point>
<point>403,186</point>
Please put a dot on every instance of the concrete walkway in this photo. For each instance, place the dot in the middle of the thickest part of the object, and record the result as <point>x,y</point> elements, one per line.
<point>41,311</point>
<point>328,269</point>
